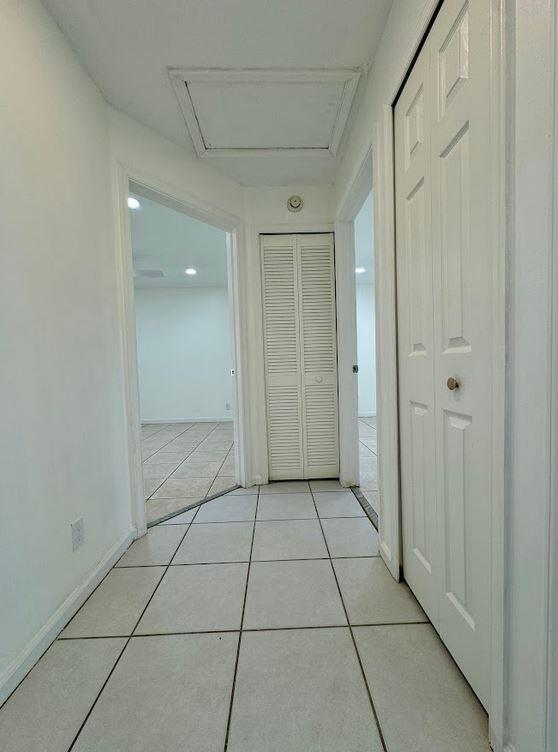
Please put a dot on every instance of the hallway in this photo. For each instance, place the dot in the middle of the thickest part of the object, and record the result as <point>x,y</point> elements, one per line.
<point>262,620</point>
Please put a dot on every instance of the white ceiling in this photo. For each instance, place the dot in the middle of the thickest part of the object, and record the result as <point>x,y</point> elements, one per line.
<point>165,240</point>
<point>128,47</point>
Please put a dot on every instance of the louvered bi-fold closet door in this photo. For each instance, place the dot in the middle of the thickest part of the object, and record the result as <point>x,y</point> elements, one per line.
<point>300,356</point>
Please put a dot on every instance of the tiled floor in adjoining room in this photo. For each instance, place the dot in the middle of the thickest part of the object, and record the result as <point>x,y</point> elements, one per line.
<point>184,463</point>
<point>259,622</point>
<point>368,460</point>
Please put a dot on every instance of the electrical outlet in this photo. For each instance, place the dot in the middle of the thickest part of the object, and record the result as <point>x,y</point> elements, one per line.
<point>78,533</point>
<point>227,405</point>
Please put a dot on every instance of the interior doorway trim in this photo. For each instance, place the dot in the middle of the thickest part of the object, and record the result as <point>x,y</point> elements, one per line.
<point>355,195</point>
<point>151,187</point>
<point>254,323</point>
<point>370,170</point>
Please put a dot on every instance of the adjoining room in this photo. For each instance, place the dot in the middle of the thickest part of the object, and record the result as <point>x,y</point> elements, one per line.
<point>184,356</point>
<point>366,342</point>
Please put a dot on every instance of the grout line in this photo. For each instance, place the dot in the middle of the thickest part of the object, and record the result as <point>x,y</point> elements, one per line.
<point>229,716</point>
<point>374,711</point>
<point>125,645</point>
<point>285,519</point>
<point>245,561</point>
<point>251,629</point>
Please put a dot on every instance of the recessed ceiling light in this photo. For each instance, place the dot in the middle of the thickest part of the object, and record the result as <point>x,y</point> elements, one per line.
<point>360,270</point>
<point>190,271</point>
<point>133,203</point>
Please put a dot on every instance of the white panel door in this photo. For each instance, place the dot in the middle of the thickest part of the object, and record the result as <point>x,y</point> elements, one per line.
<point>300,355</point>
<point>454,70</point>
<point>415,336</point>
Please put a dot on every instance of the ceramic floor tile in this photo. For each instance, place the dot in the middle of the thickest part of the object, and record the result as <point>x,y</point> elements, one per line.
<point>292,594</point>
<point>167,693</point>
<point>158,470</point>
<point>212,542</point>
<point>183,487</point>
<point>46,710</point>
<point>199,456</point>
<point>288,539</point>
<point>163,456</point>
<point>197,598</point>
<point>423,702</point>
<point>155,548</point>
<point>244,491</point>
<point>150,485</point>
<point>325,485</point>
<point>286,506</point>
<point>286,486</point>
<point>229,508</point>
<point>337,504</point>
<point>351,537</point>
<point>221,483</point>
<point>116,605</point>
<point>372,596</point>
<point>299,691</point>
<point>158,508</point>
<point>373,498</point>
<point>197,470</point>
<point>182,519</point>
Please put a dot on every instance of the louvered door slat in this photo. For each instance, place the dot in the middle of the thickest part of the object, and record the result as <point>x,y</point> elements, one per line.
<point>319,355</point>
<point>282,357</point>
<point>298,287</point>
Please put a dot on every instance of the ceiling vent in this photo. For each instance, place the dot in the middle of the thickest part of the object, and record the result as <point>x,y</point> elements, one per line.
<point>259,112</point>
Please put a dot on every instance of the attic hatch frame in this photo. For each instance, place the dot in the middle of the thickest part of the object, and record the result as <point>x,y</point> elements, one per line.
<point>181,77</point>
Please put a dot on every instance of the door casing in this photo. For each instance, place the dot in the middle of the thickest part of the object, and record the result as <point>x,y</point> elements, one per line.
<point>152,187</point>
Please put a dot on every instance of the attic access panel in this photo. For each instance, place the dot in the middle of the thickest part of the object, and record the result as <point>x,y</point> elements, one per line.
<point>258,112</point>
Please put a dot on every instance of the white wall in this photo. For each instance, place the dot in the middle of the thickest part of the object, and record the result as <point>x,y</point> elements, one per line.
<point>62,444</point>
<point>366,308</point>
<point>184,355</point>
<point>366,340</point>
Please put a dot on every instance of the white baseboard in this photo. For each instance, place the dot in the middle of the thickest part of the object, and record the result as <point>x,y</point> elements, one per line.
<point>146,421</point>
<point>20,666</point>
<point>367,415</point>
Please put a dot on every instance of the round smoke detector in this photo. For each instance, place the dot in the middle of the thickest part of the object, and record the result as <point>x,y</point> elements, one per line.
<point>295,204</point>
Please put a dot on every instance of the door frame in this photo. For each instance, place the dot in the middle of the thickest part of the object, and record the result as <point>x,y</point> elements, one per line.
<point>257,377</point>
<point>382,152</point>
<point>347,345</point>
<point>372,171</point>
<point>152,187</point>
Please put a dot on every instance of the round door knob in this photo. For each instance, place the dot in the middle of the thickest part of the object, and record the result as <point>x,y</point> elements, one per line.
<point>453,384</point>
<point>319,379</point>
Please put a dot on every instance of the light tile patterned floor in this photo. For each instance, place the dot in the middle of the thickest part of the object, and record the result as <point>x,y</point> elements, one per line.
<point>260,622</point>
<point>368,459</point>
<point>184,463</point>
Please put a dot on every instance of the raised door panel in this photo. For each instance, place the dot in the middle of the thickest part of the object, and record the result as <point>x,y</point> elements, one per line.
<point>319,355</point>
<point>415,337</point>
<point>282,356</point>
<point>463,262</point>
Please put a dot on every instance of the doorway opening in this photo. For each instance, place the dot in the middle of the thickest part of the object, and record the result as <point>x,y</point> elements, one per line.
<point>366,352</point>
<point>185,365</point>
